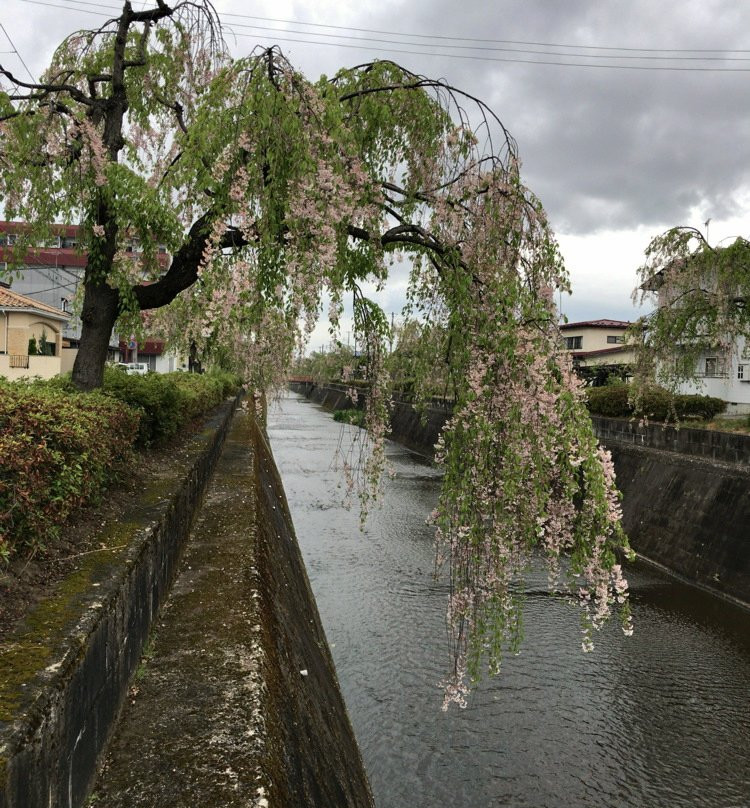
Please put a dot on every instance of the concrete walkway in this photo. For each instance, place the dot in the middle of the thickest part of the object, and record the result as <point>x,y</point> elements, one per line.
<point>192,732</point>
<point>236,701</point>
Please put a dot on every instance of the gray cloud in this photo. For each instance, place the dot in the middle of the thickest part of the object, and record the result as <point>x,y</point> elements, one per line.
<point>612,148</point>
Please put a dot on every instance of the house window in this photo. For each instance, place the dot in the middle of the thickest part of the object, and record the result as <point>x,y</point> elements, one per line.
<point>615,340</point>
<point>712,364</point>
<point>7,239</point>
<point>573,343</point>
<point>740,371</point>
<point>69,241</point>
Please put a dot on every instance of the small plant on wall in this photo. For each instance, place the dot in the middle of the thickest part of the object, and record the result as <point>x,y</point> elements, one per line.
<point>46,348</point>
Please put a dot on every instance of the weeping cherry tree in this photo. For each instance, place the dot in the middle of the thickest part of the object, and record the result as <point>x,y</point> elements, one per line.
<point>702,305</point>
<point>273,193</point>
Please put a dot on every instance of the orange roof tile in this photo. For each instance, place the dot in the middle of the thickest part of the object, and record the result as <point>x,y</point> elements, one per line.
<point>12,300</point>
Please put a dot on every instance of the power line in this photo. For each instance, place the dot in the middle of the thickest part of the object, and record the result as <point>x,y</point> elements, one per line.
<point>502,49</point>
<point>414,35</point>
<point>478,39</point>
<point>505,59</point>
<point>15,50</point>
<point>471,57</point>
<point>70,8</point>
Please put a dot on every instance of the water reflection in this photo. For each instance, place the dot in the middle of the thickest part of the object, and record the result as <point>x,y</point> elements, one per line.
<point>659,719</point>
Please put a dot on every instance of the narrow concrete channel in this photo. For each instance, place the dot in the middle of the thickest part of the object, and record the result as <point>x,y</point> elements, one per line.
<point>192,733</point>
<point>221,711</point>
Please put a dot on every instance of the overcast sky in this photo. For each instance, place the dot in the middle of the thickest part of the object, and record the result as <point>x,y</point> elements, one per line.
<point>617,150</point>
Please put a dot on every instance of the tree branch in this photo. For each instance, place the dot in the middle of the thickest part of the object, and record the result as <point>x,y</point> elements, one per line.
<point>42,89</point>
<point>183,271</point>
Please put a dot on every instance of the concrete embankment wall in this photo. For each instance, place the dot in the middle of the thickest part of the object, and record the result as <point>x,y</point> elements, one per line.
<point>686,500</point>
<point>686,492</point>
<point>315,757</point>
<point>417,431</point>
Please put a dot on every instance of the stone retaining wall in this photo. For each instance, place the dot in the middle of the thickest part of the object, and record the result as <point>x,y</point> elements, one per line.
<point>64,673</point>
<point>688,514</point>
<point>728,447</point>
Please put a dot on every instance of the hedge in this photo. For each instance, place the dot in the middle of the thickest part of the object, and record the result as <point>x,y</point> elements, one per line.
<point>658,404</point>
<point>59,449</point>
<point>165,401</point>
<point>168,401</point>
<point>57,452</point>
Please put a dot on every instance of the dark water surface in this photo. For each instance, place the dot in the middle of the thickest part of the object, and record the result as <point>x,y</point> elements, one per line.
<point>660,719</point>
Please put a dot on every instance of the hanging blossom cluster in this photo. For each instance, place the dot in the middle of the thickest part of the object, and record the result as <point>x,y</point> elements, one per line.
<point>524,475</point>
<point>515,463</point>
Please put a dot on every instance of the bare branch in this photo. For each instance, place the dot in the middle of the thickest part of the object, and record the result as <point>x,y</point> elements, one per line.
<point>42,89</point>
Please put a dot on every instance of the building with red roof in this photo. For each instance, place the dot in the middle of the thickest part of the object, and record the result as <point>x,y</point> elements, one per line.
<point>599,348</point>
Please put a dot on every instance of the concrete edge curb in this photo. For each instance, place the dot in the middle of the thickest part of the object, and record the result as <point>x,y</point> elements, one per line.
<point>81,654</point>
<point>315,758</point>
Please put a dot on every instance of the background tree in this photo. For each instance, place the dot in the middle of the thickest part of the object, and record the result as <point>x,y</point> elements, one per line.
<point>702,305</point>
<point>332,365</point>
<point>269,191</point>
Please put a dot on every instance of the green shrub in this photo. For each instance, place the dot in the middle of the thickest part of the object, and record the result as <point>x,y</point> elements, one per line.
<point>154,397</point>
<point>59,450</point>
<point>351,416</point>
<point>610,400</point>
<point>706,407</point>
<point>657,403</point>
<point>167,401</point>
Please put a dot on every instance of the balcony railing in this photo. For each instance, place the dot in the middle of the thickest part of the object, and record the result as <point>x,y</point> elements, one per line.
<point>19,361</point>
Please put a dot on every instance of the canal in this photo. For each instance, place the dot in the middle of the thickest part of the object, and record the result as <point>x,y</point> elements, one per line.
<point>658,719</point>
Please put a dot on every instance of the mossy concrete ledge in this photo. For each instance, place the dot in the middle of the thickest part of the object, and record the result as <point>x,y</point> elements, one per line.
<point>64,672</point>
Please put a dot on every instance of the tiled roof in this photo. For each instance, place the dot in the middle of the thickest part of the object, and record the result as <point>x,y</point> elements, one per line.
<point>53,256</point>
<point>596,324</point>
<point>23,227</point>
<point>12,300</point>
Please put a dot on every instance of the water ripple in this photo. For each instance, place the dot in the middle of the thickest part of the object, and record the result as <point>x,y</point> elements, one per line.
<point>659,719</point>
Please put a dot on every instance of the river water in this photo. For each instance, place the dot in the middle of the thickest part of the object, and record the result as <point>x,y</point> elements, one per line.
<point>659,719</point>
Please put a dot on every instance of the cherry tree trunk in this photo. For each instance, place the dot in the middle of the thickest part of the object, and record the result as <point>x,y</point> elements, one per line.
<point>100,309</point>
